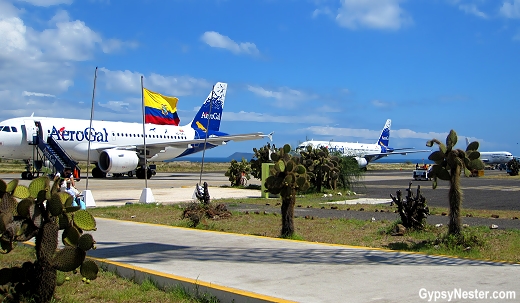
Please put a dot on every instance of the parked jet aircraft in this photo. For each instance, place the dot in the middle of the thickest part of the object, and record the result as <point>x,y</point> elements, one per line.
<point>364,153</point>
<point>495,157</point>
<point>118,147</point>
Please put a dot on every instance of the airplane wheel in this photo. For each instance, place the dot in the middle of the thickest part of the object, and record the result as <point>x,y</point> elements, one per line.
<point>149,173</point>
<point>130,174</point>
<point>98,173</point>
<point>29,176</point>
<point>24,175</point>
<point>139,173</point>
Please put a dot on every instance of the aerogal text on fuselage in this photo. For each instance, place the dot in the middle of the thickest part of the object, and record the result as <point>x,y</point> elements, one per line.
<point>88,134</point>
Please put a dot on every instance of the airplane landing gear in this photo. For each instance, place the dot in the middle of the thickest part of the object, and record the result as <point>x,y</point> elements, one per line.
<point>27,174</point>
<point>98,173</point>
<point>139,173</point>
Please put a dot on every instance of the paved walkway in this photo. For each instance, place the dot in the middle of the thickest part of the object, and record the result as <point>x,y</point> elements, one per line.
<point>258,269</point>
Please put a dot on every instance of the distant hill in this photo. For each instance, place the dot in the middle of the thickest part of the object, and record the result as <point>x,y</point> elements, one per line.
<point>238,156</point>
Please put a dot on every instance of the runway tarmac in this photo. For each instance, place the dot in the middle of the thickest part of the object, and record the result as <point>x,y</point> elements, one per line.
<point>479,193</point>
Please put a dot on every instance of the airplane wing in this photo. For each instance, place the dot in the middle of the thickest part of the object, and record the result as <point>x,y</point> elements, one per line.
<point>157,148</point>
<point>399,151</point>
<point>217,140</point>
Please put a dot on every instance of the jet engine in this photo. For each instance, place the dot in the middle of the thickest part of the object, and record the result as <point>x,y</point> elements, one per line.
<point>362,162</point>
<point>117,161</point>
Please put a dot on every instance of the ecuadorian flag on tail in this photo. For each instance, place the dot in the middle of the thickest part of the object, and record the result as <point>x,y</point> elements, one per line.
<point>159,109</point>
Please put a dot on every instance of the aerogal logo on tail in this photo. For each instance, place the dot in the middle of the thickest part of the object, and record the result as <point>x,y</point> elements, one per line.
<point>213,116</point>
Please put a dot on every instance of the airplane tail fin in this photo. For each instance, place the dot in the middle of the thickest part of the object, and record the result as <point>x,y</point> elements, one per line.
<point>211,110</point>
<point>384,138</point>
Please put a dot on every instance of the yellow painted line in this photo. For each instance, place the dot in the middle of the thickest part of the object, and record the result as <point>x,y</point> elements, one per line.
<point>327,244</point>
<point>193,281</point>
<point>187,280</point>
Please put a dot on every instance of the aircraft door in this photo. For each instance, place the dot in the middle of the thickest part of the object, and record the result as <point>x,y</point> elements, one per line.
<point>31,130</point>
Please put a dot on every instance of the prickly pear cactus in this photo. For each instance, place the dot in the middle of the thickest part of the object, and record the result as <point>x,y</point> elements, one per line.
<point>262,155</point>
<point>513,167</point>
<point>449,164</point>
<point>237,170</point>
<point>287,177</point>
<point>322,168</point>
<point>40,211</point>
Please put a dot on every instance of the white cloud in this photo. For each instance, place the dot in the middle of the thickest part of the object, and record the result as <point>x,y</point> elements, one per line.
<point>381,104</point>
<point>72,41</point>
<point>37,65</point>
<point>510,9</point>
<point>130,82</point>
<point>472,10</point>
<point>215,39</point>
<point>115,45</point>
<point>118,106</point>
<point>26,93</point>
<point>377,14</point>
<point>47,3</point>
<point>287,97</point>
<point>59,17</point>
<point>322,11</point>
<point>265,118</point>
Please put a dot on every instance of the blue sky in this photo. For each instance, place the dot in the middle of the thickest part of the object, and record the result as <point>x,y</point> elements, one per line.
<point>322,69</point>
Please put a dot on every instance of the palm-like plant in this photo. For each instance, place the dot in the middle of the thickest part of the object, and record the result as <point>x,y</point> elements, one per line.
<point>449,163</point>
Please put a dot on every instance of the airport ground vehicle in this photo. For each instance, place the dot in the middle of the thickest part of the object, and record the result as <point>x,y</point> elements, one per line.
<point>422,173</point>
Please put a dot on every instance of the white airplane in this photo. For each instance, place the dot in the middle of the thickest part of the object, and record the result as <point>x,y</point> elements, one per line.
<point>117,147</point>
<point>494,158</point>
<point>364,153</point>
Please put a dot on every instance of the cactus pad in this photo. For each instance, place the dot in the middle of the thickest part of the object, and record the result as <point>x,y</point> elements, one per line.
<point>48,242</point>
<point>54,205</point>
<point>63,221</point>
<point>5,219</point>
<point>86,242</point>
<point>11,186</point>
<point>8,204</point>
<point>84,220</point>
<point>3,186</point>
<point>60,278</point>
<point>89,269</point>
<point>21,192</point>
<point>38,184</point>
<point>36,215</point>
<point>70,236</point>
<point>68,259</point>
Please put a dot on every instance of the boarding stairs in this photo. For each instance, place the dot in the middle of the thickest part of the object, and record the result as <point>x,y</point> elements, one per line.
<point>57,156</point>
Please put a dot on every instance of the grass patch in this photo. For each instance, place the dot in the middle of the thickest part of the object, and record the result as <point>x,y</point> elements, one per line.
<point>108,287</point>
<point>317,201</point>
<point>487,243</point>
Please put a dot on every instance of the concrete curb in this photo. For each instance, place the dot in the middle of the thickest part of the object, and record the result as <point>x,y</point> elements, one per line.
<point>194,287</point>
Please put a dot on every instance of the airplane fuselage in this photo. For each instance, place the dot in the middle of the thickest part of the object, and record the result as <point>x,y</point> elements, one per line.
<point>347,148</point>
<point>74,136</point>
<point>498,157</point>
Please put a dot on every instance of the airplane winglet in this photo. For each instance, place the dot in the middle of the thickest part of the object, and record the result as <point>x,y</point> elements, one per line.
<point>270,136</point>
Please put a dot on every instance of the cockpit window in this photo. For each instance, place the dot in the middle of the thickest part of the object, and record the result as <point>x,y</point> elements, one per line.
<point>13,129</point>
<point>6,129</point>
